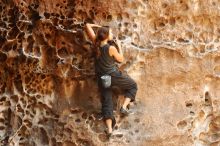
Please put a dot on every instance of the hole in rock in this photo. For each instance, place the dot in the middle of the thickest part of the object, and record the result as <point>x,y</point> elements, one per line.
<point>3,57</point>
<point>137,120</point>
<point>13,33</point>
<point>62,17</point>
<point>182,40</point>
<point>43,76</point>
<point>126,31</point>
<point>126,24</point>
<point>188,104</point>
<point>119,25</point>
<point>192,113</point>
<point>90,118</point>
<point>119,135</point>
<point>109,18</point>
<point>47,36</point>
<point>172,21</point>
<point>84,115</point>
<point>68,130</point>
<point>77,120</point>
<point>182,124</point>
<point>119,17</point>
<point>36,6</point>
<point>208,99</point>
<point>135,25</point>
<point>2,120</point>
<point>5,19</point>
<point>3,99</point>
<point>44,137</point>
<point>57,15</point>
<point>202,49</point>
<point>161,24</point>
<point>47,15</point>
<point>21,35</point>
<point>27,79</point>
<point>91,13</point>
<point>90,98</point>
<point>15,98</point>
<point>63,52</point>
<point>134,44</point>
<point>53,14</point>
<point>164,5</point>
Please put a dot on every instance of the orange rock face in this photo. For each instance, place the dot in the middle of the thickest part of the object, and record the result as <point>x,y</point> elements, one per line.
<point>48,90</point>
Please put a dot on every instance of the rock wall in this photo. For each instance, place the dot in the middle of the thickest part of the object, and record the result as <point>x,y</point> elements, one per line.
<point>48,91</point>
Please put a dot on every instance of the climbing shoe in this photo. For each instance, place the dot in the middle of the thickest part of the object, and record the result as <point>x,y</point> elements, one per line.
<point>108,134</point>
<point>124,112</point>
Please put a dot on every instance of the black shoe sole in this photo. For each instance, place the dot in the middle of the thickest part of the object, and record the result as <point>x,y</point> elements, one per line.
<point>123,113</point>
<point>108,135</point>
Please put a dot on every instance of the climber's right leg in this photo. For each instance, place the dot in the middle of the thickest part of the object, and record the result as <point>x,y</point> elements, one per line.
<point>107,106</point>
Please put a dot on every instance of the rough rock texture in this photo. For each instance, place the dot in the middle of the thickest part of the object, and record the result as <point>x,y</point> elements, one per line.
<point>48,91</point>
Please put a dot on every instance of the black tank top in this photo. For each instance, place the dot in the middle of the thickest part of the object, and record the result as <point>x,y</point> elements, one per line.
<point>105,64</point>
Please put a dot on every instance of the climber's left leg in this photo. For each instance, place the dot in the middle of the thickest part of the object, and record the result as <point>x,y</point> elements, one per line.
<point>125,82</point>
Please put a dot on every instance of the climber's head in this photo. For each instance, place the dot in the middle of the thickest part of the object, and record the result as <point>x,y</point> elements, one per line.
<point>104,33</point>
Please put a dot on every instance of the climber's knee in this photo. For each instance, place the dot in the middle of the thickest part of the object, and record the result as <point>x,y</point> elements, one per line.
<point>131,93</point>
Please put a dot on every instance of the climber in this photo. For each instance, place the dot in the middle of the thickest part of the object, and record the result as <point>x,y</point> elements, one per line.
<point>105,63</point>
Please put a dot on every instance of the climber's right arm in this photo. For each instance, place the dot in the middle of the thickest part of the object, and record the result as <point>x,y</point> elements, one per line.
<point>118,55</point>
<point>90,31</point>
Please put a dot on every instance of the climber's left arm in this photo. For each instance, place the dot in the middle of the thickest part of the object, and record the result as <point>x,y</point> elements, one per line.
<point>90,31</point>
